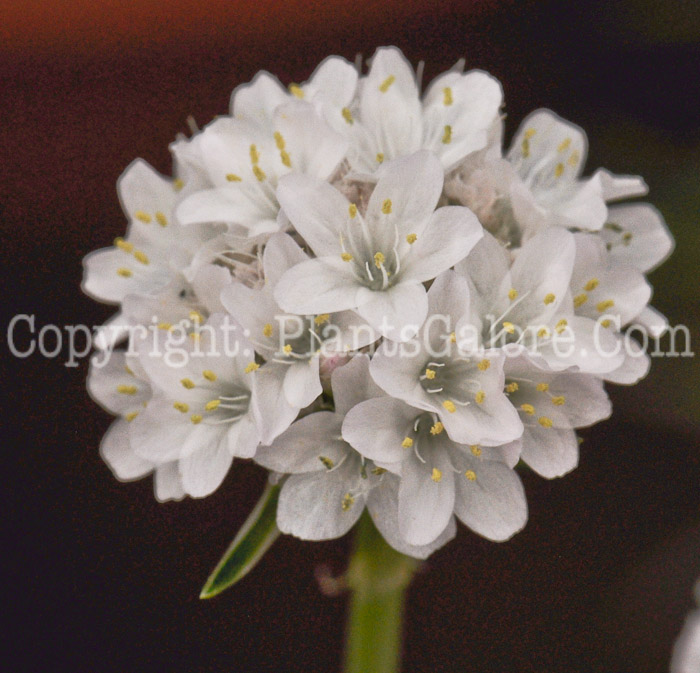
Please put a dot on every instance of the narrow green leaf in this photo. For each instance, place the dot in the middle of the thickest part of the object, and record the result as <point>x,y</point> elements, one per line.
<point>253,539</point>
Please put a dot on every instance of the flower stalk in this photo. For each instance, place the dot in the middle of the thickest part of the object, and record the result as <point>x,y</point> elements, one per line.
<point>377,577</point>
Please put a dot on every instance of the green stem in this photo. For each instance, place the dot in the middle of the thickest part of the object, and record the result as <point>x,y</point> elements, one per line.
<point>377,576</point>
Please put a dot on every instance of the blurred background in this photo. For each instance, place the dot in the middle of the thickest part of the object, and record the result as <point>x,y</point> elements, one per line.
<point>103,578</point>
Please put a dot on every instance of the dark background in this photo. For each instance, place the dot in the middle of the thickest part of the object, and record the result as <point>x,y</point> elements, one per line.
<point>100,577</point>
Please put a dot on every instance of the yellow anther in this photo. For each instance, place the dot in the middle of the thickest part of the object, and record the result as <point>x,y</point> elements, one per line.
<point>437,428</point>
<point>411,239</point>
<point>561,326</point>
<point>591,285</point>
<point>347,115</point>
<point>352,211</point>
<point>267,329</point>
<point>279,140</point>
<point>471,475</point>
<point>384,86</point>
<point>187,383</point>
<point>322,319</point>
<point>480,397</point>
<point>605,323</point>
<point>429,373</point>
<point>195,336</point>
<point>476,450</point>
<point>141,257</point>
<point>347,502</point>
<point>327,462</point>
<point>528,409</point>
<point>196,418</point>
<point>209,375</point>
<point>559,170</point>
<point>254,155</point>
<point>286,160</point>
<point>447,135</point>
<point>380,157</point>
<point>196,316</point>
<point>549,299</point>
<point>123,245</point>
<point>346,257</point>
<point>453,337</point>
<point>447,96</point>
<point>558,401</point>
<point>407,443</point>
<point>131,416</point>
<point>512,294</point>
<point>259,173</point>
<point>564,145</point>
<point>232,177</point>
<point>626,237</point>
<point>251,367</point>
<point>573,159</point>
<point>178,184</point>
<point>386,206</point>
<point>181,407</point>
<point>128,370</point>
<point>161,219</point>
<point>580,299</point>
<point>124,273</point>
<point>545,422</point>
<point>484,365</point>
<point>143,216</point>
<point>543,332</point>
<point>542,387</point>
<point>509,327</point>
<point>378,471</point>
<point>525,148</point>
<point>296,90</point>
<point>165,326</point>
<point>379,259</point>
<point>436,475</point>
<point>287,349</point>
<point>212,405</point>
<point>449,406</point>
<point>512,387</point>
<point>529,133</point>
<point>604,305</point>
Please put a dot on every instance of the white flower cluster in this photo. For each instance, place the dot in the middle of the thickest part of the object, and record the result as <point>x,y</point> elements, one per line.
<point>408,311</point>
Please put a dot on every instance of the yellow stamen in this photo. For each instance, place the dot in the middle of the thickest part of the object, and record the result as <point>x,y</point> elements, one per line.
<point>386,206</point>
<point>476,451</point>
<point>181,407</point>
<point>378,471</point>
<point>591,285</point>
<point>411,239</point>
<point>254,155</point>
<point>430,374</point>
<point>251,367</point>
<point>380,157</point>
<point>484,365</point>
<point>447,135</point>
<point>384,86</point>
<point>124,273</point>
<point>512,387</point>
<point>549,299</point>
<point>379,259</point>
<point>259,173</point>
<point>509,327</point>
<point>209,375</point>
<point>525,148</point>
<point>347,502</point>
<point>131,416</point>
<point>196,418</point>
<point>123,245</point>
<point>165,326</point>
<point>545,422</point>
<point>287,349</point>
<point>212,405</point>
<point>543,332</point>
<point>447,96</point>
<point>284,156</point>
<point>512,294</point>
<point>453,337</point>
<point>347,115</point>
<point>187,383</point>
<point>327,462</point>
<point>143,216</point>
<point>346,257</point>
<point>529,133</point>
<point>407,443</point>
<point>279,140</point>
<point>542,387</point>
<point>604,305</point>
<point>178,184</point>
<point>580,299</point>
<point>528,409</point>
<point>605,323</point>
<point>196,317</point>
<point>559,170</point>
<point>232,177</point>
<point>161,219</point>
<point>564,145</point>
<point>480,397</point>
<point>267,329</point>
<point>352,211</point>
<point>436,475</point>
<point>322,319</point>
<point>573,159</point>
<point>561,326</point>
<point>450,406</point>
<point>558,401</point>
<point>296,90</point>
<point>471,475</point>
<point>140,257</point>
<point>437,428</point>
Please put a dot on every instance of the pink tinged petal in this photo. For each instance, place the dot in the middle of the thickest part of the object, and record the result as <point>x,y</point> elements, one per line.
<point>398,312</point>
<point>490,499</point>
<point>167,482</point>
<point>258,99</point>
<point>383,504</point>
<point>451,233</point>
<point>303,445</point>
<point>551,452</point>
<point>616,187</point>
<point>302,384</point>
<point>271,411</point>
<point>426,497</point>
<point>281,254</point>
<point>377,429</point>
<point>352,384</point>
<point>311,505</point>
<point>316,210</point>
<point>203,471</point>
<point>116,451</point>
<point>323,285</point>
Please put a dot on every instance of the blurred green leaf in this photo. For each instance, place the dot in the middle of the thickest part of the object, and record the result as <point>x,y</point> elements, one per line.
<point>250,544</point>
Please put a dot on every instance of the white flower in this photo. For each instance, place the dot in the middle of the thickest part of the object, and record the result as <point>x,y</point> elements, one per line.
<point>244,161</point>
<point>463,388</point>
<point>455,117</point>
<point>294,345</point>
<point>686,651</point>
<point>375,262</point>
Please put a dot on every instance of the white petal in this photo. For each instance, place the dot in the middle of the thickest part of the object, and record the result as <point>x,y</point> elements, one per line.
<point>635,366</point>
<point>159,432</point>
<point>258,100</point>
<point>167,483</point>
<point>281,253</point>
<point>616,187</point>
<point>398,312</point>
<point>272,411</point>
<point>116,451</point>
<point>551,452</point>
<point>105,382</point>
<point>208,284</point>
<point>352,384</point>
<point>203,471</point>
<point>335,81</point>
<point>301,383</point>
